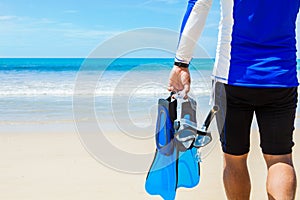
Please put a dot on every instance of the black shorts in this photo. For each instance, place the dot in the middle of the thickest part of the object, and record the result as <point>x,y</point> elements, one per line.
<point>274,108</point>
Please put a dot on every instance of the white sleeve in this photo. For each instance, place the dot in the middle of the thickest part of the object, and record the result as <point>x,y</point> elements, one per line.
<point>192,27</point>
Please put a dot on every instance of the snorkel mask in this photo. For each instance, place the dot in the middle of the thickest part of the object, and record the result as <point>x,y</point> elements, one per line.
<point>187,134</point>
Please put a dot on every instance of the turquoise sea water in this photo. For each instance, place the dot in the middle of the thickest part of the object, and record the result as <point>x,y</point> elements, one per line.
<point>41,90</point>
<point>74,64</point>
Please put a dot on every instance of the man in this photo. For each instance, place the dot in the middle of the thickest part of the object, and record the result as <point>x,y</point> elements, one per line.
<point>256,68</point>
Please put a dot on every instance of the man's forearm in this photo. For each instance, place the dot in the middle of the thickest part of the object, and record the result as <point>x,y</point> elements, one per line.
<point>192,27</point>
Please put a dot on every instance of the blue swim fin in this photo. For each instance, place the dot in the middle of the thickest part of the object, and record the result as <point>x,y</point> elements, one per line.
<point>171,168</point>
<point>161,179</point>
<point>188,169</point>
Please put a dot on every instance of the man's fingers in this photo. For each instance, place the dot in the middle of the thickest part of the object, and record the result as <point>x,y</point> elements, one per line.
<point>175,86</point>
<point>186,88</point>
<point>170,88</point>
<point>185,78</point>
<point>179,80</point>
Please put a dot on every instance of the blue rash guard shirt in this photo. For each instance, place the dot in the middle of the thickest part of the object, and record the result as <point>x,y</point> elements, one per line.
<point>256,42</point>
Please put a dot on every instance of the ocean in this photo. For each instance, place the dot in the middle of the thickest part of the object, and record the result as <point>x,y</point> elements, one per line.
<point>42,90</point>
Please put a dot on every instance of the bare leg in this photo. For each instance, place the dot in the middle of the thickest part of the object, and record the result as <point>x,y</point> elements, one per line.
<point>281,180</point>
<point>236,177</point>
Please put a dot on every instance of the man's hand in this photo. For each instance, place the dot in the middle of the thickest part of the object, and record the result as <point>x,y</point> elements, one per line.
<point>179,80</point>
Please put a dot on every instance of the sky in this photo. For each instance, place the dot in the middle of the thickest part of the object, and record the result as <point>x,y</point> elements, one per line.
<point>68,28</point>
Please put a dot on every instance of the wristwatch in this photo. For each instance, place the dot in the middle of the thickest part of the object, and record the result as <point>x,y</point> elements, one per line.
<point>180,64</point>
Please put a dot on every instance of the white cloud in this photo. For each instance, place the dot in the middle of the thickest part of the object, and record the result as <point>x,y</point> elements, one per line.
<point>47,26</point>
<point>7,17</point>
<point>25,36</point>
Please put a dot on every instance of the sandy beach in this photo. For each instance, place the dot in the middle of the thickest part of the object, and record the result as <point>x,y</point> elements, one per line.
<point>49,162</point>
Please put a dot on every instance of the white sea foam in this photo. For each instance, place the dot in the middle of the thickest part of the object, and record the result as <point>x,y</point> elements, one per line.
<point>109,84</point>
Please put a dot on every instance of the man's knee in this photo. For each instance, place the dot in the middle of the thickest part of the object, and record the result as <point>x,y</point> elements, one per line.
<point>274,159</point>
<point>234,161</point>
<point>281,180</point>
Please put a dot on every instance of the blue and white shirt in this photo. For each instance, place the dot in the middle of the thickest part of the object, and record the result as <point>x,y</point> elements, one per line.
<point>256,42</point>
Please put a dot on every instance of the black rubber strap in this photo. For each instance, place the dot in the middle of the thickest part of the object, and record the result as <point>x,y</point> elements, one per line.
<point>180,64</point>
